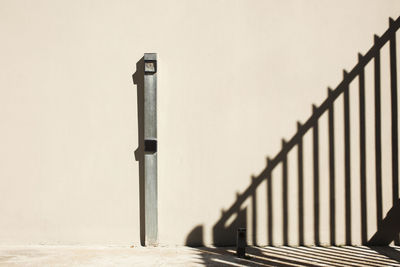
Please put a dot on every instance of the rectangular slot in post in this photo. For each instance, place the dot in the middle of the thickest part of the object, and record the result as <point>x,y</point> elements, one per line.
<point>150,146</point>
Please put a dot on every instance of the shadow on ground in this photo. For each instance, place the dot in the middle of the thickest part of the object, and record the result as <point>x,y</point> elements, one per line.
<point>302,256</point>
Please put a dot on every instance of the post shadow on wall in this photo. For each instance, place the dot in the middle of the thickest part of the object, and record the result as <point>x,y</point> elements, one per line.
<point>195,237</point>
<point>225,228</point>
<point>138,80</point>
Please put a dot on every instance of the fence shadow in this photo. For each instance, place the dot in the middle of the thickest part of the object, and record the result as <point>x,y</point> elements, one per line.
<point>224,230</point>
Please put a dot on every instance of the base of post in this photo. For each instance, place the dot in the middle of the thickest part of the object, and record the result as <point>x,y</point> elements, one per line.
<point>241,243</point>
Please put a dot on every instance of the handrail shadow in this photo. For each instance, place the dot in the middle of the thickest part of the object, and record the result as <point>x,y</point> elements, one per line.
<point>224,235</point>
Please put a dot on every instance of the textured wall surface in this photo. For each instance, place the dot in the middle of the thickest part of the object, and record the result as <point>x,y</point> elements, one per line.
<point>233,79</point>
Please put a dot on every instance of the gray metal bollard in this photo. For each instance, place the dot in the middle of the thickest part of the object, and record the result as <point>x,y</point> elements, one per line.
<point>241,243</point>
<point>150,149</point>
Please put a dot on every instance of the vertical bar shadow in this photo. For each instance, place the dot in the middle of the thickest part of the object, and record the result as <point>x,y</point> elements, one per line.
<point>254,213</point>
<point>378,148</point>
<point>346,106</point>
<point>316,180</point>
<point>332,207</point>
<point>270,211</point>
<point>285,196</point>
<point>395,146</point>
<point>300,187</point>
<point>363,181</point>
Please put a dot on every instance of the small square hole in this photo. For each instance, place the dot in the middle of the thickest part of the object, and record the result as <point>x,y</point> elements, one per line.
<point>150,66</point>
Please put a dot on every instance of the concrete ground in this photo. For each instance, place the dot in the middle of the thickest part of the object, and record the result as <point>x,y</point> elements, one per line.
<point>205,256</point>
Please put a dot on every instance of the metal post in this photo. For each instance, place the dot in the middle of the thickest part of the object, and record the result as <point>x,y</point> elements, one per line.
<point>150,149</point>
<point>241,243</point>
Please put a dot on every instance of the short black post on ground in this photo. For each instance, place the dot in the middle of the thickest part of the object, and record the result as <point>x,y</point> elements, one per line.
<point>241,242</point>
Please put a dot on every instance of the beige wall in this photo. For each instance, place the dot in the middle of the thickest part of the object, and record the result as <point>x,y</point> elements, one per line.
<point>234,77</point>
